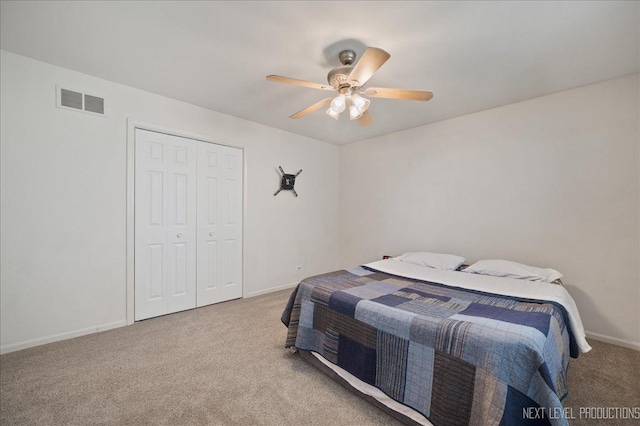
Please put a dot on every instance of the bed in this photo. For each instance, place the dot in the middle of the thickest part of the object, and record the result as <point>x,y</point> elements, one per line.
<point>447,347</point>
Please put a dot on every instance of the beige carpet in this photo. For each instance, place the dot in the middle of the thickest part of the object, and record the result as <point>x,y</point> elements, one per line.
<point>224,365</point>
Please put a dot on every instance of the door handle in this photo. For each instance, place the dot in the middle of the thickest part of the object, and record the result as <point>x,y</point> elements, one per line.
<point>179,235</point>
<point>211,234</point>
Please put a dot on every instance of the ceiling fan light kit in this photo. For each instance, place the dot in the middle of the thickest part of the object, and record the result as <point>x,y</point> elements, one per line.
<point>357,105</point>
<point>348,81</point>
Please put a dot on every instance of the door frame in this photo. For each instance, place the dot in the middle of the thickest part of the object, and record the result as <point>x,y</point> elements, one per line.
<point>132,125</point>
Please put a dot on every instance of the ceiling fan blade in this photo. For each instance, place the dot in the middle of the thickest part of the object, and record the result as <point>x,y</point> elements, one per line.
<point>372,59</point>
<point>297,82</point>
<point>311,108</point>
<point>366,119</point>
<point>411,95</point>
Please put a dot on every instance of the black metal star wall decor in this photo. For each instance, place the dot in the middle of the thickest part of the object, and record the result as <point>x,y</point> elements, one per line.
<point>287,182</point>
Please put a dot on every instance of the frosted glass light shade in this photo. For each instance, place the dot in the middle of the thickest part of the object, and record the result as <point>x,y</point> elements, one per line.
<point>338,103</point>
<point>360,103</point>
<point>354,114</point>
<point>333,114</point>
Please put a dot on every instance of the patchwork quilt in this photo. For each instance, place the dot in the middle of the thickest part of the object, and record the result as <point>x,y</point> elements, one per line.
<point>459,357</point>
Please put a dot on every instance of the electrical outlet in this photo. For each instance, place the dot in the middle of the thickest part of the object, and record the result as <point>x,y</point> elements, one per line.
<point>299,268</point>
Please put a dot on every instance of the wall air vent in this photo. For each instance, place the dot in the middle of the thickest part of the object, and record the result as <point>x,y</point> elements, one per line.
<point>79,101</point>
<point>94,104</point>
<point>70,99</point>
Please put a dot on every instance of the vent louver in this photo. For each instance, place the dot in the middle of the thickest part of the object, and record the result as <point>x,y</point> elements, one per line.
<point>94,104</point>
<point>70,99</point>
<point>80,101</point>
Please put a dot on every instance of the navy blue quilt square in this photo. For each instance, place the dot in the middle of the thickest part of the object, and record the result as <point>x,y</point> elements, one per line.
<point>357,359</point>
<point>391,300</point>
<point>537,320</point>
<point>520,410</point>
<point>344,303</point>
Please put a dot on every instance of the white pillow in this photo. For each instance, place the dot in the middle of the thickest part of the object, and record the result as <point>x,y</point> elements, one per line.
<point>508,269</point>
<point>433,260</point>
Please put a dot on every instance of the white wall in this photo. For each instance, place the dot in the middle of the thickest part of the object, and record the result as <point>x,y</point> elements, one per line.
<point>551,182</point>
<point>63,198</point>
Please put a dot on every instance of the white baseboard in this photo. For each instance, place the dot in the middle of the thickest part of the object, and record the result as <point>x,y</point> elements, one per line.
<point>60,336</point>
<point>271,289</point>
<point>613,340</point>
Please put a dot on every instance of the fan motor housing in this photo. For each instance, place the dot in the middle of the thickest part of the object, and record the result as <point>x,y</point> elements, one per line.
<point>338,76</point>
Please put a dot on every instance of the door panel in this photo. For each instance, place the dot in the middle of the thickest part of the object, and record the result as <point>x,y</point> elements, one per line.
<point>182,170</point>
<point>219,223</point>
<point>230,195</point>
<point>156,198</point>
<point>156,265</point>
<point>211,200</point>
<point>210,269</point>
<point>165,224</point>
<point>180,185</point>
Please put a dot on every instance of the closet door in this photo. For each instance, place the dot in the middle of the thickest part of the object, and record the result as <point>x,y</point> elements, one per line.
<point>165,224</point>
<point>219,223</point>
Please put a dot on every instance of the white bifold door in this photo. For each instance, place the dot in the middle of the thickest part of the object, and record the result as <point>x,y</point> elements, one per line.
<point>188,223</point>
<point>219,223</point>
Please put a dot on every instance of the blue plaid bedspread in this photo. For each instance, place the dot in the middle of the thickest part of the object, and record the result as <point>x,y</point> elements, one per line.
<point>458,357</point>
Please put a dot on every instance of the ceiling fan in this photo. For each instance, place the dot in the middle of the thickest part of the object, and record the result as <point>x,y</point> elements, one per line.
<point>348,80</point>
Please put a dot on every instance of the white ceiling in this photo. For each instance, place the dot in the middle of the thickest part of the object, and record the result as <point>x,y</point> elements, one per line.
<point>472,55</point>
